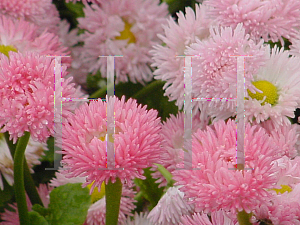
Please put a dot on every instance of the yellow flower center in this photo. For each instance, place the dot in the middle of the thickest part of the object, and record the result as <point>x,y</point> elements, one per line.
<point>126,34</point>
<point>283,189</point>
<point>96,195</point>
<point>6,49</point>
<point>268,90</point>
<point>111,139</point>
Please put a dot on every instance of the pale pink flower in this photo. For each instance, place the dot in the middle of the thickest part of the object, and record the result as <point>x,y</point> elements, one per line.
<point>269,19</point>
<point>215,70</point>
<point>33,152</point>
<point>97,211</point>
<point>136,141</point>
<point>40,12</point>
<point>284,209</point>
<point>24,36</point>
<point>214,183</point>
<point>12,217</point>
<point>217,218</point>
<point>177,37</point>
<point>281,77</point>
<point>27,95</point>
<point>138,219</point>
<point>295,46</point>
<point>170,208</point>
<point>122,27</point>
<point>172,142</point>
<point>285,136</point>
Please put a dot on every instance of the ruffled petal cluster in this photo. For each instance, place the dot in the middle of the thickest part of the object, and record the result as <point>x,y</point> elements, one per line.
<point>136,141</point>
<point>269,19</point>
<point>122,27</point>
<point>27,95</point>
<point>214,182</point>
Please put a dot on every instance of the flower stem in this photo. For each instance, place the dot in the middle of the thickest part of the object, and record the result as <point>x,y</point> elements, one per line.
<point>147,90</point>
<point>113,192</point>
<point>244,218</point>
<point>29,183</point>
<point>19,178</point>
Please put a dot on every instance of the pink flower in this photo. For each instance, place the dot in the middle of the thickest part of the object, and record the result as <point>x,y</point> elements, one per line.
<point>177,37</point>
<point>170,208</point>
<point>40,12</point>
<point>279,80</point>
<point>122,27</point>
<point>214,184</point>
<point>12,217</point>
<point>97,211</point>
<point>284,210</point>
<point>215,69</point>
<point>27,95</point>
<point>136,141</point>
<point>23,36</point>
<point>285,136</point>
<point>172,142</point>
<point>217,218</point>
<point>269,19</point>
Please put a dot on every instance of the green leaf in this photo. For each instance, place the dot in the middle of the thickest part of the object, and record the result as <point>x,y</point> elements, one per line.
<point>149,189</point>
<point>36,219</point>
<point>40,209</point>
<point>76,9</point>
<point>68,205</point>
<point>167,175</point>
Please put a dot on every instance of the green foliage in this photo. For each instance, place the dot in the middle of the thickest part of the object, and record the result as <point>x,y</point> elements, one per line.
<point>68,205</point>
<point>149,189</point>
<point>6,194</point>
<point>36,219</point>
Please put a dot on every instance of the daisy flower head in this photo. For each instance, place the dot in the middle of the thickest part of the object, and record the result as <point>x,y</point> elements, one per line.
<point>269,19</point>
<point>40,12</point>
<point>279,81</point>
<point>136,141</point>
<point>170,208</point>
<point>176,38</point>
<point>27,95</point>
<point>216,67</point>
<point>172,142</point>
<point>215,218</point>
<point>138,219</point>
<point>22,36</point>
<point>285,136</point>
<point>122,27</point>
<point>284,208</point>
<point>215,183</point>
<point>295,46</point>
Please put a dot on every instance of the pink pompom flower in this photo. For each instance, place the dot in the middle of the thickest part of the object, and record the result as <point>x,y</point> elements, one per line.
<point>177,37</point>
<point>215,183</point>
<point>122,27</point>
<point>269,19</point>
<point>40,12</point>
<point>136,141</point>
<point>215,69</point>
<point>27,95</point>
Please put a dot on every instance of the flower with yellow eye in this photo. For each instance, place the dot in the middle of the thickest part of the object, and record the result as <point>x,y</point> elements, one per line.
<point>278,84</point>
